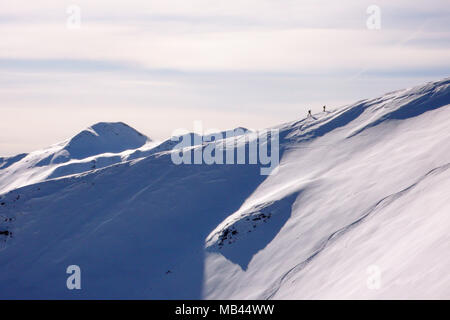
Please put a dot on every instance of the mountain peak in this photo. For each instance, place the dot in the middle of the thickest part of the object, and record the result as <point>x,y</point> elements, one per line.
<point>104,137</point>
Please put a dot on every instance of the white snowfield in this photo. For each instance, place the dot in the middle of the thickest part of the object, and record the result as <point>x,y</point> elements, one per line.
<point>359,208</point>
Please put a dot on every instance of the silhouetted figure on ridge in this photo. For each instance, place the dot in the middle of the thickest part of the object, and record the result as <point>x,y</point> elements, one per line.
<point>324,108</point>
<point>309,113</point>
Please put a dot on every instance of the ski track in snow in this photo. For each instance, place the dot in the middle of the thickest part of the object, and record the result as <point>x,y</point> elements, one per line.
<point>338,233</point>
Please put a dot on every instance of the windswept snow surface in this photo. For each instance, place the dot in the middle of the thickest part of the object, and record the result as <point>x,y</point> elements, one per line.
<point>98,146</point>
<point>104,144</point>
<point>358,209</point>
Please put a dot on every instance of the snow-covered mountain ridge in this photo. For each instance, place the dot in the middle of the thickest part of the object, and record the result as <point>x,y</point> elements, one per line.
<point>99,146</point>
<point>360,188</point>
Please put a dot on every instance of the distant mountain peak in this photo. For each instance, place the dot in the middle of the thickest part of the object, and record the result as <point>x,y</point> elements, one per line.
<point>104,137</point>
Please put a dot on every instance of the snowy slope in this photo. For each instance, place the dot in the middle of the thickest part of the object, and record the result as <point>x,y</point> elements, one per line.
<point>360,188</point>
<point>99,146</point>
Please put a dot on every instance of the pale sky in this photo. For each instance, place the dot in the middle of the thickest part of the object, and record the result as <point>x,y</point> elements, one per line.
<point>160,65</point>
